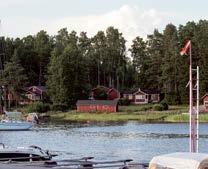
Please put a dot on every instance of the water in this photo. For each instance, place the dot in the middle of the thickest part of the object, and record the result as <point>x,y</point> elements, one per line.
<point>109,142</point>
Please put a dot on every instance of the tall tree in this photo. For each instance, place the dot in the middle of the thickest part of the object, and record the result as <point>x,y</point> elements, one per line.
<point>43,49</point>
<point>201,41</point>
<point>116,57</point>
<point>170,65</point>
<point>185,33</point>
<point>99,60</point>
<point>86,50</point>
<point>66,74</point>
<point>13,77</point>
<point>140,61</point>
<point>156,53</point>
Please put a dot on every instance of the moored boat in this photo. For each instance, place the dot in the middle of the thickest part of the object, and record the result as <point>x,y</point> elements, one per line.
<point>13,121</point>
<point>15,125</point>
<point>183,160</point>
<point>31,153</point>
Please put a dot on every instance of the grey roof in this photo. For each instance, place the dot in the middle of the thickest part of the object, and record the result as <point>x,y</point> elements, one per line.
<point>97,102</point>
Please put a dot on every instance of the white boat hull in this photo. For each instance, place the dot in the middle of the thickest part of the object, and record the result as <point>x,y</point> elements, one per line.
<point>14,126</point>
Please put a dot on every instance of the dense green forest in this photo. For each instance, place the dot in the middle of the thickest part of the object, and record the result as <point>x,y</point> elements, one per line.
<point>71,64</point>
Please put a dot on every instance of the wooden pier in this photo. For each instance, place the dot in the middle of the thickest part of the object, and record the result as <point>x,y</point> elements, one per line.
<point>73,164</point>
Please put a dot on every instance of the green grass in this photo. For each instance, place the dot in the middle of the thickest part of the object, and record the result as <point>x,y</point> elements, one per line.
<point>177,118</point>
<point>141,113</point>
<point>135,108</point>
<point>106,117</point>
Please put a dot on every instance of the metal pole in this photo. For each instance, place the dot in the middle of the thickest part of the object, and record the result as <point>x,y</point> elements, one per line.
<point>190,102</point>
<point>192,112</point>
<point>197,112</point>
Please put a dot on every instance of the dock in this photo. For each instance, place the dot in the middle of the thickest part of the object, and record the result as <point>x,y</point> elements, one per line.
<point>38,165</point>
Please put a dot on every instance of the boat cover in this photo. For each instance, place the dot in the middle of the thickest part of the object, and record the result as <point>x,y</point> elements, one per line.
<point>13,115</point>
<point>180,161</point>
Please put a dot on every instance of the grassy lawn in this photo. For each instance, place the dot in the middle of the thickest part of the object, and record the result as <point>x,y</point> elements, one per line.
<point>141,113</point>
<point>106,117</point>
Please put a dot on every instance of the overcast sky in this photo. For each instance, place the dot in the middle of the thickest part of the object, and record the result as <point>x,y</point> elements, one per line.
<point>132,17</point>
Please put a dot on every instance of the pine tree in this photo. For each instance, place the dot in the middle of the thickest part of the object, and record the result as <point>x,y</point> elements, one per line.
<point>156,53</point>
<point>140,61</point>
<point>170,65</point>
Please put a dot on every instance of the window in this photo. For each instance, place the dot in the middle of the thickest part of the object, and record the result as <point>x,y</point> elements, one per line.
<point>130,97</point>
<point>153,97</point>
<point>125,95</point>
<point>140,97</point>
<point>206,104</point>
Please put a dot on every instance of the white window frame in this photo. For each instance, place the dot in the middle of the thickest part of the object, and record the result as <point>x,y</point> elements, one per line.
<point>140,97</point>
<point>130,96</point>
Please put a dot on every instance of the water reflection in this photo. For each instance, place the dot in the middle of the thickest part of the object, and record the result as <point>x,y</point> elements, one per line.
<point>106,141</point>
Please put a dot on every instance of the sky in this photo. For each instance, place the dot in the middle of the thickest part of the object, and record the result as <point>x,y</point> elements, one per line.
<point>133,18</point>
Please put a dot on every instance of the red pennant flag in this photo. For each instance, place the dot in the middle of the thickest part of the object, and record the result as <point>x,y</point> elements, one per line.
<point>186,47</point>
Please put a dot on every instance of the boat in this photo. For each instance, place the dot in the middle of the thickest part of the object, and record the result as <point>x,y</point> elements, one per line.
<point>13,122</point>
<point>15,125</point>
<point>31,153</point>
<point>180,160</point>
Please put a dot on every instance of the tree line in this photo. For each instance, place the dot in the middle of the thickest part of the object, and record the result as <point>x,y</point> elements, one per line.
<point>71,64</point>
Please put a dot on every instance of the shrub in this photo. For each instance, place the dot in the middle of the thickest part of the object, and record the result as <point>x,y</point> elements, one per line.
<point>165,106</point>
<point>145,107</point>
<point>59,107</point>
<point>172,98</point>
<point>38,107</point>
<point>124,102</point>
<point>158,107</point>
<point>100,95</point>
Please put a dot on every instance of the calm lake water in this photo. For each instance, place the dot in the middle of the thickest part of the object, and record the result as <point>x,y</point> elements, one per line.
<point>108,142</point>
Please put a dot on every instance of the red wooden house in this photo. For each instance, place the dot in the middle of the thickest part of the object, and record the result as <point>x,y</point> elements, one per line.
<point>97,105</point>
<point>33,93</point>
<point>139,96</point>
<point>205,102</point>
<point>111,93</point>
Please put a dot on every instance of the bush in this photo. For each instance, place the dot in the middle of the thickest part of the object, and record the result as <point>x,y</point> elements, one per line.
<point>165,106</point>
<point>172,98</point>
<point>124,102</point>
<point>158,107</point>
<point>145,107</point>
<point>100,95</point>
<point>38,107</point>
<point>59,107</point>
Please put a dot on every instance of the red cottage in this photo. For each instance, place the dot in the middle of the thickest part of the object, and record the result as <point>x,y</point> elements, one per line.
<point>139,96</point>
<point>205,101</point>
<point>111,93</point>
<point>97,105</point>
<point>33,93</point>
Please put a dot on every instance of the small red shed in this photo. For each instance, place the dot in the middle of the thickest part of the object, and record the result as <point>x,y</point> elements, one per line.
<point>97,105</point>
